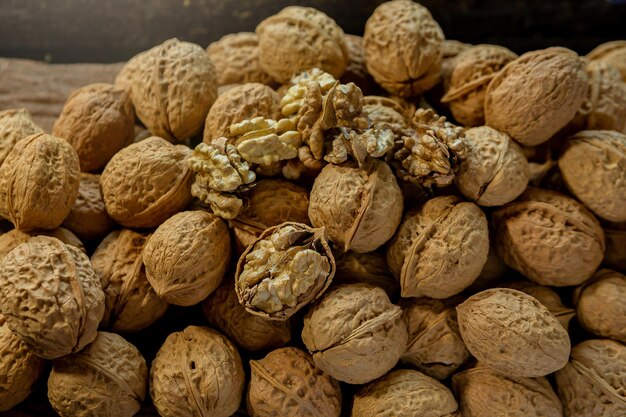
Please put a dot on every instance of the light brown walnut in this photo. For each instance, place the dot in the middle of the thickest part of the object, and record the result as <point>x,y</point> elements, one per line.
<point>15,237</point>
<point>15,125</point>
<point>88,218</point>
<point>613,52</point>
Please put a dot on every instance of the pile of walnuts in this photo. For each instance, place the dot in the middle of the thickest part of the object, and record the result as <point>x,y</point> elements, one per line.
<point>393,225</point>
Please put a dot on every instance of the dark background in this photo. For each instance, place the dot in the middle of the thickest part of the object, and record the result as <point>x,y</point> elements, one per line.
<point>114,30</point>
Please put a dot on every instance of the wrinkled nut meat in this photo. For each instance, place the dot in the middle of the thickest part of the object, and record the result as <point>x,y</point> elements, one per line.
<point>546,296</point>
<point>106,379</point>
<point>15,125</point>
<point>613,53</point>
<point>354,333</point>
<point>15,237</point>
<point>368,268</point>
<point>266,141</point>
<point>287,380</point>
<point>287,267</point>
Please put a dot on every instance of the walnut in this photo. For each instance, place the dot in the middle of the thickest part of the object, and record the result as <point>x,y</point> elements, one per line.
<point>15,237</point>
<point>266,141</point>
<point>15,125</point>
<point>287,381</point>
<point>97,120</point>
<point>45,281</point>
<point>440,249</point>
<point>546,296</point>
<point>613,53</point>
<point>536,95</point>
<point>403,47</point>
<point>368,268</point>
<point>549,238</point>
<point>300,38</point>
<point>107,378</point>
<point>39,182</point>
<point>405,392</point>
<point>592,383</point>
<point>88,217</point>
<point>614,255</point>
<point>130,301</point>
<point>356,71</point>
<point>593,166</point>
<point>354,333</point>
<point>197,372</point>
<point>146,182</point>
<point>287,267</point>
<point>187,256</point>
<point>494,171</point>
<point>360,207</point>
<point>513,333</point>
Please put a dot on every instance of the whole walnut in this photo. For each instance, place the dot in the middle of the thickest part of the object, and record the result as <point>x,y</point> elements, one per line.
<point>13,238</point>
<point>593,166</point>
<point>592,383</point>
<point>146,182</point>
<point>298,39</point>
<point>236,59</point>
<point>187,256</point>
<point>472,71</point>
<point>403,47</point>
<point>440,249</point>
<point>513,333</point>
<point>19,368</point>
<point>45,281</point>
<point>354,333</point>
<point>287,381</point>
<point>197,372</point>
<point>483,392</point>
<point>15,125</point>
<point>88,218</point>
<point>368,268</point>
<point>360,207</point>
<point>356,71</point>
<point>601,306</point>
<point>130,301</point>
<point>613,53</point>
<point>39,182</point>
<point>405,393</point>
<point>536,95</point>
<point>494,171</point>
<point>97,120</point>
<point>615,255</point>
<point>106,379</point>
<point>546,296</point>
<point>549,238</point>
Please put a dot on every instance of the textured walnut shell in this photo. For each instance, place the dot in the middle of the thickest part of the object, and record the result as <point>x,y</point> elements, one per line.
<point>536,95</point>
<point>592,383</point>
<point>368,268</point>
<point>15,237</point>
<point>106,379</point>
<point>405,393</point>
<point>403,47</point>
<point>298,39</point>
<point>19,368</point>
<point>513,333</point>
<point>39,182</point>
<point>287,380</point>
<point>354,333</point>
<point>356,71</point>
<point>435,346</point>
<point>146,182</point>
<point>130,301</point>
<point>15,125</point>
<point>615,255</point>
<point>483,392</point>
<point>187,256</point>
<point>440,249</point>
<point>593,166</point>
<point>359,207</point>
<point>88,218</point>
<point>613,53</point>
<point>495,171</point>
<point>197,372</point>
<point>549,238</point>
<point>51,297</point>
<point>97,120</point>
<point>546,296</point>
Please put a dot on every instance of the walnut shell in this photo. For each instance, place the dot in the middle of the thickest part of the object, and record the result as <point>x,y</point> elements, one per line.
<point>592,383</point>
<point>403,47</point>
<point>536,95</point>
<point>88,218</point>
<point>187,256</point>
<point>197,372</point>
<point>106,379</point>
<point>450,50</point>
<point>130,301</point>
<point>546,296</point>
<point>593,166</point>
<point>368,268</point>
<point>15,125</point>
<point>495,170</point>
<point>287,380</point>
<point>97,120</point>
<point>613,53</point>
<point>483,392</point>
<point>440,249</point>
<point>513,333</point>
<point>15,237</point>
<point>359,207</point>
<point>405,393</point>
<point>146,182</point>
<point>39,182</point>
<point>298,39</point>
<point>549,238</point>
<point>615,255</point>
<point>51,297</point>
<point>356,71</point>
<point>354,333</point>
